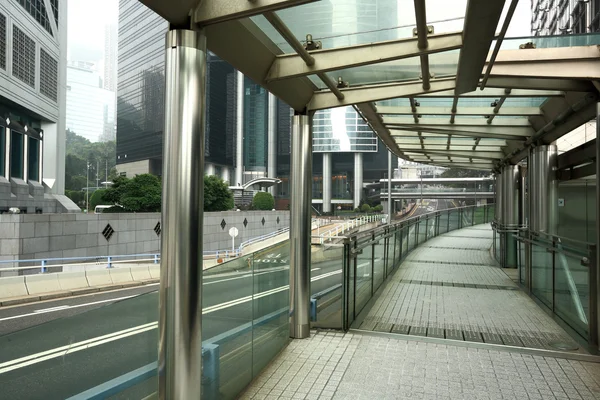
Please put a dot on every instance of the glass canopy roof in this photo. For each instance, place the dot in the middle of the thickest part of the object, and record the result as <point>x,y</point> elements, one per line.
<point>435,79</point>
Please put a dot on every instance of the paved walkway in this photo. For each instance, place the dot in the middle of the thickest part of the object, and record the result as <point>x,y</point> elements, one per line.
<point>452,288</point>
<point>450,283</point>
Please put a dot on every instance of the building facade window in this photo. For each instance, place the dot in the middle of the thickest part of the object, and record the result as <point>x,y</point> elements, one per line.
<point>23,56</point>
<point>37,10</point>
<point>17,155</point>
<point>2,150</point>
<point>2,41</point>
<point>48,75</point>
<point>33,159</point>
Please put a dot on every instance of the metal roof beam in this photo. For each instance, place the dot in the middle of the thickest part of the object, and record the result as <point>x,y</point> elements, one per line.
<point>368,93</point>
<point>215,11</point>
<point>292,65</point>
<point>462,111</point>
<point>497,92</point>
<point>478,155</point>
<point>521,82</point>
<point>481,20</point>
<point>489,132</point>
<point>432,121</point>
<point>367,111</point>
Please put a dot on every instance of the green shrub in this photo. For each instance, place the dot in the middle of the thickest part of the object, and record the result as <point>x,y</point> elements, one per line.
<point>365,208</point>
<point>97,199</point>
<point>378,208</point>
<point>263,201</point>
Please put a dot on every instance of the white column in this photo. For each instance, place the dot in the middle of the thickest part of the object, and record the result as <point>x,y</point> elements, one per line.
<point>358,178</point>
<point>272,141</point>
<point>209,169</point>
<point>239,152</point>
<point>326,182</point>
<point>226,175</point>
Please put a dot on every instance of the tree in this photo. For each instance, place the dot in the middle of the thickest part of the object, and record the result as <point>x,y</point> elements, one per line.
<point>365,208</point>
<point>464,173</point>
<point>80,151</point>
<point>263,201</point>
<point>378,208</point>
<point>97,199</point>
<point>217,196</point>
<point>140,194</point>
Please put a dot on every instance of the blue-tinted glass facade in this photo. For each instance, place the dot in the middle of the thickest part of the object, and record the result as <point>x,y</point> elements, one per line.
<point>256,103</point>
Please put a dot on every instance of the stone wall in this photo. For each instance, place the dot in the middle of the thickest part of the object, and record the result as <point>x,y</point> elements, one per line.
<point>30,197</point>
<point>39,236</point>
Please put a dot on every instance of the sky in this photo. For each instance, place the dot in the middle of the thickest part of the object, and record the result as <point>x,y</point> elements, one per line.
<point>85,29</point>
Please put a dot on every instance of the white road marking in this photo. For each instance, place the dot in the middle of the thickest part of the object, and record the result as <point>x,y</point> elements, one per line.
<point>45,310</point>
<point>97,341</point>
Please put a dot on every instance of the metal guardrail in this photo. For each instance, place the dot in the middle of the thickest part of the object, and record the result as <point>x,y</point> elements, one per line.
<point>109,261</point>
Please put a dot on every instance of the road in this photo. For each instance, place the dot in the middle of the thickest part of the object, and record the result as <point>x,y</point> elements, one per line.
<point>56,349</point>
<point>428,206</point>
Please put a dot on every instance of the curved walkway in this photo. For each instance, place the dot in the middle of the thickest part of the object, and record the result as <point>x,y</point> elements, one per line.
<point>449,283</point>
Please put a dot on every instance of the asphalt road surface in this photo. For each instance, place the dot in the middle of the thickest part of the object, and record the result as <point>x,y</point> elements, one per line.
<point>57,349</point>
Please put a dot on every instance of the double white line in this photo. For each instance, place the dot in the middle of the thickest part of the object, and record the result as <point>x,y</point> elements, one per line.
<point>73,348</point>
<point>97,341</point>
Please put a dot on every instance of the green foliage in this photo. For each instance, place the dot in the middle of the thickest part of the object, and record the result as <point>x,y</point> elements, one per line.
<point>97,199</point>
<point>263,201</point>
<point>77,196</point>
<point>80,152</point>
<point>140,194</point>
<point>217,196</point>
<point>464,173</point>
<point>357,209</point>
<point>365,208</point>
<point>378,208</point>
<point>114,210</point>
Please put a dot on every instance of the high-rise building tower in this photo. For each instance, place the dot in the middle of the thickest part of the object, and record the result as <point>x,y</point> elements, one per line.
<point>110,57</point>
<point>562,17</point>
<point>33,49</point>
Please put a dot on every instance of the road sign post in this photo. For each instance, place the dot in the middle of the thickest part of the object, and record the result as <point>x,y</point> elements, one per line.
<point>233,232</point>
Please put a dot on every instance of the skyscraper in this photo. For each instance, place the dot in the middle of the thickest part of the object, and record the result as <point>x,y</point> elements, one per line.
<point>32,105</point>
<point>110,57</point>
<point>562,17</point>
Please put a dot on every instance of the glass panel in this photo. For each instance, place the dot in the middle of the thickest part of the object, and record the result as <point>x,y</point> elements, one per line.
<point>16,155</point>
<point>572,292</point>
<point>271,305</point>
<point>231,327</point>
<point>479,216</point>
<point>443,227</point>
<point>93,357</point>
<point>422,231</point>
<point>405,239</point>
<point>363,275</point>
<point>2,150</point>
<point>33,159</point>
<point>326,266</point>
<point>577,215</point>
<point>588,39</point>
<point>378,264</point>
<point>454,223</point>
<point>398,248</point>
<point>541,274</point>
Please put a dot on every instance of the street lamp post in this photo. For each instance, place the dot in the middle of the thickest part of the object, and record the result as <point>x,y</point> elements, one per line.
<point>87,188</point>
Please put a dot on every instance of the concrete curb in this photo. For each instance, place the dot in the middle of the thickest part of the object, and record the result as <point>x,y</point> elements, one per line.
<point>75,292</point>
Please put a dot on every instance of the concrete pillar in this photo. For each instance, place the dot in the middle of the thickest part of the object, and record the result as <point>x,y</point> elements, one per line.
<point>272,141</point>
<point>180,297</point>
<point>209,169</point>
<point>300,224</point>
<point>226,175</point>
<point>543,189</point>
<point>239,131</point>
<point>327,182</point>
<point>358,178</point>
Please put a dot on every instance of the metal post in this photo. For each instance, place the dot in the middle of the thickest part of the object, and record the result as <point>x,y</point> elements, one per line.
<point>180,299</point>
<point>389,188</point>
<point>272,141</point>
<point>87,188</point>
<point>358,178</point>
<point>239,131</point>
<point>595,284</point>
<point>326,182</point>
<point>301,194</point>
<point>43,269</point>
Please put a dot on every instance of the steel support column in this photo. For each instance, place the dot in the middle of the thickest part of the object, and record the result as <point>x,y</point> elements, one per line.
<point>239,130</point>
<point>358,178</point>
<point>300,223</point>
<point>180,311</point>
<point>390,205</point>
<point>326,182</point>
<point>272,142</point>
<point>510,214</point>
<point>543,189</point>
<point>594,320</point>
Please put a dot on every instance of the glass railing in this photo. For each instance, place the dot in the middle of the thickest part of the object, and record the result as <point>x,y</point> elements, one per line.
<point>111,351</point>
<point>560,273</point>
<point>347,274</point>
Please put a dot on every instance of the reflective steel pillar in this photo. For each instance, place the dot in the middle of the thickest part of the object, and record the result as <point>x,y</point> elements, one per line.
<point>239,131</point>
<point>300,222</point>
<point>272,142</point>
<point>326,182</point>
<point>510,191</point>
<point>499,194</point>
<point>180,313</point>
<point>594,320</point>
<point>543,190</point>
<point>390,209</point>
<point>358,178</point>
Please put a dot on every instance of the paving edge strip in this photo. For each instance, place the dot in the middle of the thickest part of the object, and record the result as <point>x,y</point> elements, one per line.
<point>484,346</point>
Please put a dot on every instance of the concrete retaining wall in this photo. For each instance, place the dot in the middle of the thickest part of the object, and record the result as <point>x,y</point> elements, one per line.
<point>43,236</point>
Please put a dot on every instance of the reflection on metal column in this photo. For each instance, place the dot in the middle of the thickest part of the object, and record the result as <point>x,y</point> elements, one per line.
<point>326,182</point>
<point>239,131</point>
<point>543,199</point>
<point>499,195</point>
<point>358,178</point>
<point>180,319</point>
<point>595,264</point>
<point>272,142</point>
<point>390,209</point>
<point>510,190</point>
<point>300,221</point>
